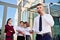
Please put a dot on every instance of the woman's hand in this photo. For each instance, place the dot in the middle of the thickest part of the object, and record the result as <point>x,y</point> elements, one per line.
<point>10,31</point>
<point>20,32</point>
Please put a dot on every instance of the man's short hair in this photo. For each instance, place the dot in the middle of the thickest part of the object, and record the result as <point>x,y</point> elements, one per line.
<point>39,4</point>
<point>21,21</point>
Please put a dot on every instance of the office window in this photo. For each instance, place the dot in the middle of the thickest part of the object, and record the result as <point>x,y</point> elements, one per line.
<point>11,13</point>
<point>1,16</point>
<point>10,1</point>
<point>49,1</point>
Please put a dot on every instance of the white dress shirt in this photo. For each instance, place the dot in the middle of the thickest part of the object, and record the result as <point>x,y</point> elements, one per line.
<point>47,23</point>
<point>27,31</point>
<point>20,29</point>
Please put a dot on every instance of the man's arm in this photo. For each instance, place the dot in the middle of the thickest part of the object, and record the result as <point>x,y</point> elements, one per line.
<point>49,19</point>
<point>34,26</point>
<point>20,32</point>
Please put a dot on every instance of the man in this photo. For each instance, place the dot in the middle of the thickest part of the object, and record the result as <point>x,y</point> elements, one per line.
<point>42,24</point>
<point>20,31</point>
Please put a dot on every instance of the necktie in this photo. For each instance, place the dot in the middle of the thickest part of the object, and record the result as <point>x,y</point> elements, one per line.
<point>40,23</point>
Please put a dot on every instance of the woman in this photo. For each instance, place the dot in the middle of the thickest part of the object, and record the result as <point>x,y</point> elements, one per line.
<point>9,30</point>
<point>27,31</point>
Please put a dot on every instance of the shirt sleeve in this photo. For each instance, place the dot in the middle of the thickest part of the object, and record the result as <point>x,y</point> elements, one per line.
<point>34,26</point>
<point>49,19</point>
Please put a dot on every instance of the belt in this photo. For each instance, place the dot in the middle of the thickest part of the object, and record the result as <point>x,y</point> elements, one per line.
<point>43,34</point>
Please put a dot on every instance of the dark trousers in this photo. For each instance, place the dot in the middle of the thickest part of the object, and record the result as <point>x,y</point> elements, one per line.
<point>20,38</point>
<point>43,37</point>
<point>28,37</point>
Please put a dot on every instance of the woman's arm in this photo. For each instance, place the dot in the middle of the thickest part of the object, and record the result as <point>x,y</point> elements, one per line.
<point>12,30</point>
<point>6,29</point>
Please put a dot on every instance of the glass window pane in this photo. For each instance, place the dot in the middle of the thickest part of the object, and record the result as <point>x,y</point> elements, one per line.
<point>11,13</point>
<point>56,20</point>
<point>10,1</point>
<point>1,16</point>
<point>53,1</point>
<point>55,12</point>
<point>36,2</point>
<point>25,15</point>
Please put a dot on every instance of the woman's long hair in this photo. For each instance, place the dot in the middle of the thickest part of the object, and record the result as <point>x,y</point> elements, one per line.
<point>27,24</point>
<point>8,21</point>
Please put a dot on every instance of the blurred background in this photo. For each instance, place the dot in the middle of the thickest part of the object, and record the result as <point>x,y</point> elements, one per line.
<point>25,10</point>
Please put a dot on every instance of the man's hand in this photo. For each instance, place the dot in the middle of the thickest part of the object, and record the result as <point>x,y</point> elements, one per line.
<point>31,31</point>
<point>22,33</point>
<point>42,13</point>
